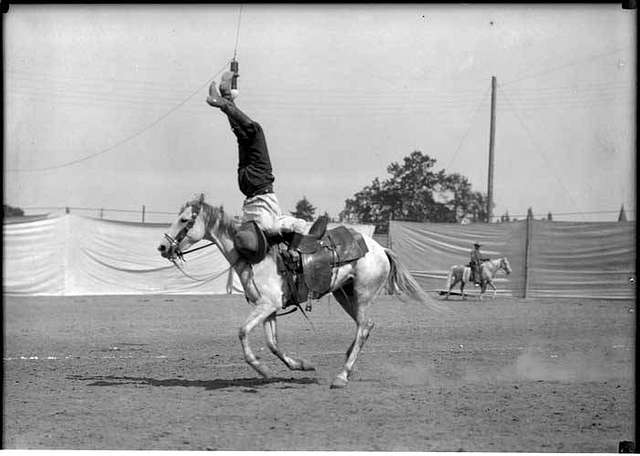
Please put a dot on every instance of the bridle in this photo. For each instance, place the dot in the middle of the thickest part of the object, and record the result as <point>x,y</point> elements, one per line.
<point>174,246</point>
<point>174,243</point>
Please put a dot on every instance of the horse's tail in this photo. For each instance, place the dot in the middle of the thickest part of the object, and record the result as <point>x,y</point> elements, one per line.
<point>401,282</point>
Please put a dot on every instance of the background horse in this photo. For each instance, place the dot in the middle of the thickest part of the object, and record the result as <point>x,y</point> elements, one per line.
<point>488,270</point>
<point>354,285</point>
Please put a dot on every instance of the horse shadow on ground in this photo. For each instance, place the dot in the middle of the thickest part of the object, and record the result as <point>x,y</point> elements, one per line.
<point>248,383</point>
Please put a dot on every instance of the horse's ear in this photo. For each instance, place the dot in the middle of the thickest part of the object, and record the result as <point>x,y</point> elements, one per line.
<point>201,198</point>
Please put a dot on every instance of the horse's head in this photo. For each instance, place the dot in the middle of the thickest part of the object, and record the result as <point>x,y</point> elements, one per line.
<point>188,229</point>
<point>504,264</point>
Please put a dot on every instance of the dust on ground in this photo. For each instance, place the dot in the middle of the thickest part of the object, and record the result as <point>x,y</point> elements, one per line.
<point>167,373</point>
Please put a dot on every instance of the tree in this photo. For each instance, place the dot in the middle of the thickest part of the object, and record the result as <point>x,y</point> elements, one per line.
<point>415,191</point>
<point>304,210</point>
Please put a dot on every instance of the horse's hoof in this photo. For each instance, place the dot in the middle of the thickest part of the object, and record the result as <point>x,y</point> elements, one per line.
<point>263,371</point>
<point>339,382</point>
<point>265,375</point>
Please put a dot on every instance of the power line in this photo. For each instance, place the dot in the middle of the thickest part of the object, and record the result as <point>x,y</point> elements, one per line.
<point>126,139</point>
<point>566,65</point>
<point>135,101</point>
<point>330,98</point>
<point>24,75</point>
<point>544,157</point>
<point>475,111</point>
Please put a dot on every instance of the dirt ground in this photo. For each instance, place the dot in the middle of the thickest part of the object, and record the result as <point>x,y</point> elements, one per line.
<point>167,373</point>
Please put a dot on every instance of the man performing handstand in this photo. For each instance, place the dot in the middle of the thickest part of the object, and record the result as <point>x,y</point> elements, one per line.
<point>255,179</point>
<point>255,176</point>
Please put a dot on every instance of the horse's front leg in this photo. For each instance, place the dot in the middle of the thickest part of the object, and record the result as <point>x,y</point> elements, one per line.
<point>494,290</point>
<point>271,332</point>
<point>483,289</point>
<point>258,315</point>
<point>462,290</point>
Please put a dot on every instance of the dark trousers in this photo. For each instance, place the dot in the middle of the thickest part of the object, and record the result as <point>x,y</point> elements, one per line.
<point>475,272</point>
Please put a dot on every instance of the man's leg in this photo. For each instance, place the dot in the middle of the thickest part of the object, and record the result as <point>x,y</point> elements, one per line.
<point>223,100</point>
<point>290,224</point>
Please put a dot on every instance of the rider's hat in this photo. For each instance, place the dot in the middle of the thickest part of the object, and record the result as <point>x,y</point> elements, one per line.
<point>476,244</point>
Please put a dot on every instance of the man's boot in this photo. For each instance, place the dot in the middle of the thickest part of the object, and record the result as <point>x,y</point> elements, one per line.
<point>226,105</point>
<point>226,84</point>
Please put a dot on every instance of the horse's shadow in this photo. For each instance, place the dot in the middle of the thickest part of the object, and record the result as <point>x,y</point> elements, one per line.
<point>215,384</point>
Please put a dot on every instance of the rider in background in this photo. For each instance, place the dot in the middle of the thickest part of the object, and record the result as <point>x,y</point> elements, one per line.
<point>255,175</point>
<point>476,261</point>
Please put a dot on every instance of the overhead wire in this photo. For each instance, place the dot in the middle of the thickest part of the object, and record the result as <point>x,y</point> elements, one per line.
<point>537,149</point>
<point>125,139</point>
<point>350,97</point>
<point>568,96</point>
<point>145,128</point>
<point>566,65</point>
<point>464,137</point>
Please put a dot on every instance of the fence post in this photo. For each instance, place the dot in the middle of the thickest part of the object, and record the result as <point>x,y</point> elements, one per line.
<point>101,213</point>
<point>143,210</point>
<point>66,210</point>
<point>527,245</point>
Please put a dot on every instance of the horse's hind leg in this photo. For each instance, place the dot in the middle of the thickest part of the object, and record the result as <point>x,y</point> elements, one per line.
<point>271,332</point>
<point>353,306</point>
<point>450,288</point>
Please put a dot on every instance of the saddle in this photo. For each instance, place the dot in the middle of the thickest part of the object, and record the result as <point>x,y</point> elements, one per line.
<point>316,255</point>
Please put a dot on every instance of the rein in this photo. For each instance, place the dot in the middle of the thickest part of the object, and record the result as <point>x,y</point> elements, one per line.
<point>208,279</point>
<point>179,255</point>
<point>199,248</point>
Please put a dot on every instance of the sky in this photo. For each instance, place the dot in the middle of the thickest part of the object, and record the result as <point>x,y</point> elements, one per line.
<point>105,105</point>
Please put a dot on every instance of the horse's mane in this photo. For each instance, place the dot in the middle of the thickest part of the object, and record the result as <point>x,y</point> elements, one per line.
<point>226,223</point>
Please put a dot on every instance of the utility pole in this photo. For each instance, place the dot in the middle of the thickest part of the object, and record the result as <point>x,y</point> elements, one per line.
<point>492,134</point>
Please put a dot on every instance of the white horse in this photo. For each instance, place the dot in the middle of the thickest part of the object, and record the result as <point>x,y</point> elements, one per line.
<point>354,285</point>
<point>488,270</point>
